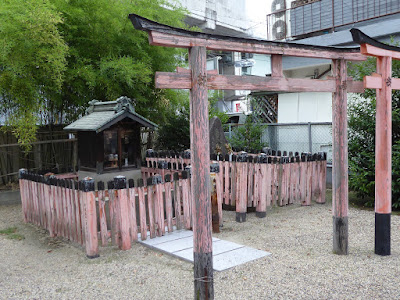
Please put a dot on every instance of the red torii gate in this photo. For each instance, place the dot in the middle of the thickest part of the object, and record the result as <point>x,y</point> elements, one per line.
<point>383,82</point>
<point>198,80</point>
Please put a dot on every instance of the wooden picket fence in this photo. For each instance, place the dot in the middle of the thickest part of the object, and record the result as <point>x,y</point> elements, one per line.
<point>257,181</point>
<point>122,212</point>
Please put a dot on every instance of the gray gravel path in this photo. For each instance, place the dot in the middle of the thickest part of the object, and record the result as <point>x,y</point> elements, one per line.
<point>301,266</point>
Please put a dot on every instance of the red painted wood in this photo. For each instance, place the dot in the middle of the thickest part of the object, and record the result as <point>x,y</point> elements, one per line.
<point>171,40</point>
<point>124,221</point>
<point>322,181</point>
<point>340,150</point>
<point>279,183</point>
<point>53,220</point>
<point>142,213</point>
<point>303,183</point>
<point>241,175</point>
<point>309,183</point>
<point>276,65</point>
<point>373,82</point>
<point>178,204</point>
<point>186,204</point>
<point>151,200</point>
<point>92,246</point>
<point>257,185</point>
<point>268,185</point>
<point>78,218</point>
<point>274,188</point>
<point>159,203</point>
<point>103,219</point>
<point>383,135</point>
<point>200,178</point>
<point>250,183</point>
<point>168,205</point>
<point>262,203</point>
<point>226,182</point>
<point>378,52</point>
<point>132,214</point>
<point>218,185</point>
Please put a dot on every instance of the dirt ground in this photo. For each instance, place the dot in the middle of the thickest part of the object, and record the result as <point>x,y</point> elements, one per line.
<point>301,266</point>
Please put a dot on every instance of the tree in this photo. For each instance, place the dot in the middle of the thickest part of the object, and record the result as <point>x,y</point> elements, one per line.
<point>361,122</point>
<point>248,136</point>
<point>57,55</point>
<point>32,62</point>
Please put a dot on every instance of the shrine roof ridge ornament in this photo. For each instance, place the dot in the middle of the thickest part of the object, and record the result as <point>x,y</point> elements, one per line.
<point>165,35</point>
<point>360,38</point>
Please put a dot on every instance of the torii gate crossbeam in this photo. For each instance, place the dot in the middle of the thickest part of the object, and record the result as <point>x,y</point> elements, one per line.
<point>198,80</point>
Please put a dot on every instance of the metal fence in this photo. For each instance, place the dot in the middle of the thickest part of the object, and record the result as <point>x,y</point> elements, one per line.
<point>296,137</point>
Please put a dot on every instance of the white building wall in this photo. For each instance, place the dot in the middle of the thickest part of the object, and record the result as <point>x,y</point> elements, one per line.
<point>304,107</point>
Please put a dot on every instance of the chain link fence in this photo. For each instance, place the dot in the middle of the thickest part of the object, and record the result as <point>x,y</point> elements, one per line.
<point>296,137</point>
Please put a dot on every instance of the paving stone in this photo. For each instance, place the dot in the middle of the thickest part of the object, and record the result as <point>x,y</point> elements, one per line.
<point>175,235</point>
<point>236,257</point>
<point>226,254</point>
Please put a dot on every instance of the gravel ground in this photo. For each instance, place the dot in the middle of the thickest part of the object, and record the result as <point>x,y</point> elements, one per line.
<point>301,266</point>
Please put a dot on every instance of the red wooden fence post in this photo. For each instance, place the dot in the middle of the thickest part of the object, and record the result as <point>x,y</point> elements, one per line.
<point>241,204</point>
<point>261,208</point>
<point>214,170</point>
<point>123,212</point>
<point>200,153</point>
<point>340,184</point>
<point>89,198</point>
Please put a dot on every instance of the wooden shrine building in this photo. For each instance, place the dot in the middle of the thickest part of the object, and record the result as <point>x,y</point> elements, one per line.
<point>109,136</point>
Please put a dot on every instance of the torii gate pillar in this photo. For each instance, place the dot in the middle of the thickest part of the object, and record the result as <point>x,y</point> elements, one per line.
<point>383,82</point>
<point>200,158</point>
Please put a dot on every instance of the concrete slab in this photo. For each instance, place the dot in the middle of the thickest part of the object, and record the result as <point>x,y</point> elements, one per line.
<point>168,237</point>
<point>230,259</point>
<point>225,254</point>
<point>219,247</point>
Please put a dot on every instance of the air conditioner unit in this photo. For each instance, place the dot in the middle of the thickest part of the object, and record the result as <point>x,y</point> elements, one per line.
<point>279,26</point>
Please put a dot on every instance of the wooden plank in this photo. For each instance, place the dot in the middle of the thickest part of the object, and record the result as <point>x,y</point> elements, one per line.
<point>257,182</point>
<point>102,214</point>
<point>132,192</point>
<point>123,212</point>
<point>165,80</point>
<point>78,213</point>
<point>279,181</point>
<point>177,202</point>
<point>303,181</point>
<point>276,65</point>
<point>177,41</point>
<point>150,207</point>
<point>218,186</point>
<point>340,160</point>
<point>168,201</point>
<point>378,52</point>
<point>241,192</point>
<point>372,82</point>
<point>214,202</point>
<point>268,183</point>
<point>250,181</point>
<point>142,212</point>
<point>186,200</point>
<point>226,181</point>
<point>91,239</point>
<point>261,209</point>
<point>159,212</point>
